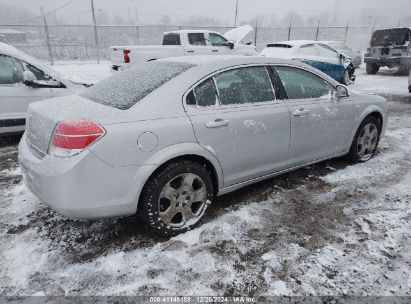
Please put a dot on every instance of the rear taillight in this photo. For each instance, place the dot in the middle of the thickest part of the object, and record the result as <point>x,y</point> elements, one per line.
<point>126,56</point>
<point>404,48</point>
<point>369,50</point>
<point>73,136</point>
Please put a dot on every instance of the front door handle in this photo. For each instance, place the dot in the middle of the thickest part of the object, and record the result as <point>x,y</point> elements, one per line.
<point>301,112</point>
<point>215,51</point>
<point>217,123</point>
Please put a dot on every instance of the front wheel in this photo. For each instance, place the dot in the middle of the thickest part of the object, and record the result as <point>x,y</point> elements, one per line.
<point>365,141</point>
<point>177,197</point>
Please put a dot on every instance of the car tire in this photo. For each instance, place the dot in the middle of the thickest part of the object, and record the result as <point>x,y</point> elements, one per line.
<point>366,139</point>
<point>176,198</point>
<point>346,78</point>
<point>372,68</point>
<point>404,70</point>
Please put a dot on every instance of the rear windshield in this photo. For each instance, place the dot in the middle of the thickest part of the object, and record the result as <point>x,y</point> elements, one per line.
<point>390,37</point>
<point>128,87</point>
<point>171,39</point>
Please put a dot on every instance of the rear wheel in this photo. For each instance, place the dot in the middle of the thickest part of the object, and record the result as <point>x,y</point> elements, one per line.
<point>372,68</point>
<point>366,140</point>
<point>177,197</point>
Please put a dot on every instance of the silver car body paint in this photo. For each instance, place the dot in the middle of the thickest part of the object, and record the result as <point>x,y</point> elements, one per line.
<point>260,140</point>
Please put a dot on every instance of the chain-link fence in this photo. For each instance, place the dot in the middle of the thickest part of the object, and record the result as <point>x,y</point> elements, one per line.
<point>77,42</point>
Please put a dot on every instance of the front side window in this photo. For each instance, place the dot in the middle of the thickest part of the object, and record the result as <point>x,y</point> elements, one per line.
<point>10,71</point>
<point>308,50</point>
<point>326,51</point>
<point>197,39</point>
<point>300,84</point>
<point>244,85</point>
<point>217,40</point>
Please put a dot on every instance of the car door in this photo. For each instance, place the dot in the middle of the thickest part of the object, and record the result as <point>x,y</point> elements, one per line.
<point>14,95</point>
<point>219,44</point>
<point>197,44</point>
<point>321,125</point>
<point>236,116</point>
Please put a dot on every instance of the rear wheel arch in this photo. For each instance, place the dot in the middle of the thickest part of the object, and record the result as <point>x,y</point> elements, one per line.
<point>196,158</point>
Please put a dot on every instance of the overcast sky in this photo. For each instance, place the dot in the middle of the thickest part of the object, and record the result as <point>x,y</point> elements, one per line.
<point>150,11</point>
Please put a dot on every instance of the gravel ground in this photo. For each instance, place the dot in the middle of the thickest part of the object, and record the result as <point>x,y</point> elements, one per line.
<point>328,229</point>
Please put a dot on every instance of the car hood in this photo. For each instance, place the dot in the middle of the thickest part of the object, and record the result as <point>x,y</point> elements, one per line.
<point>239,33</point>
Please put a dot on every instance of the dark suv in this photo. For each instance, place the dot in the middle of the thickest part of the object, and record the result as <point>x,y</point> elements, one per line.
<point>390,48</point>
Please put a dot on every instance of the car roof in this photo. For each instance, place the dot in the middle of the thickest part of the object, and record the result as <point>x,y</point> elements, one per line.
<point>190,31</point>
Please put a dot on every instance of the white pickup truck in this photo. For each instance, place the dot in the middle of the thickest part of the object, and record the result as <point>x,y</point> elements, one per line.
<point>185,43</point>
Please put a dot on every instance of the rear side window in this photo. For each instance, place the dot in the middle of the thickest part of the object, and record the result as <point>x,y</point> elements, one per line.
<point>126,88</point>
<point>197,39</point>
<point>300,84</point>
<point>238,86</point>
<point>171,39</point>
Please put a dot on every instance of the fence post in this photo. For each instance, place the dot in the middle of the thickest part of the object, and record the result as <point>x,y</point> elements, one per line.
<point>346,31</point>
<point>95,31</point>
<point>138,35</point>
<point>318,31</point>
<point>289,32</point>
<point>46,30</point>
<point>255,33</point>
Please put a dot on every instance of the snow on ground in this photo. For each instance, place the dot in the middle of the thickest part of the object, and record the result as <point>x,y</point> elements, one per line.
<point>386,82</point>
<point>89,71</point>
<point>328,229</point>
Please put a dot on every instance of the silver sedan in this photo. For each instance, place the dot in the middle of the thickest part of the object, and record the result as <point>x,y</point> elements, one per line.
<point>163,139</point>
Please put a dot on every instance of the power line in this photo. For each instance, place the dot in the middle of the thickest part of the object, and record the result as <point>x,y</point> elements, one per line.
<point>60,7</point>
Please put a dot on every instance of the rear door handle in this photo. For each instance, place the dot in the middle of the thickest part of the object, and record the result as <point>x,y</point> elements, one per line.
<point>190,51</point>
<point>301,112</point>
<point>217,123</point>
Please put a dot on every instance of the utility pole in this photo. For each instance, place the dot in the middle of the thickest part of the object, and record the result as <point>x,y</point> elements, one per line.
<point>236,14</point>
<point>46,30</point>
<point>93,14</point>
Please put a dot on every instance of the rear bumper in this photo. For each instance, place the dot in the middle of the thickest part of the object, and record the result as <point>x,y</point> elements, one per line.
<point>389,61</point>
<point>82,186</point>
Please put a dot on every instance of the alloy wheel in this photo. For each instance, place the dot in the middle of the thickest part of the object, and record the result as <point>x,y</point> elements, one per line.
<point>367,141</point>
<point>183,200</point>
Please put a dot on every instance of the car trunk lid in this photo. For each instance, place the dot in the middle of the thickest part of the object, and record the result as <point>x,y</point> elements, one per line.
<point>42,118</point>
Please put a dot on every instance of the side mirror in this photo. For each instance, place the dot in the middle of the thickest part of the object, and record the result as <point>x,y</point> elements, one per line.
<point>341,91</point>
<point>29,79</point>
<point>230,44</point>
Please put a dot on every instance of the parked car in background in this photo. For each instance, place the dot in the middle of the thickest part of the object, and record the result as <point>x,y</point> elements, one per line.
<point>185,43</point>
<point>319,55</point>
<point>354,54</point>
<point>163,138</point>
<point>24,80</point>
<point>389,48</point>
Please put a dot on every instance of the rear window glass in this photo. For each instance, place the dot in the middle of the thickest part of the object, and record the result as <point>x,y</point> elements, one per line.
<point>128,87</point>
<point>171,39</point>
<point>390,37</point>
